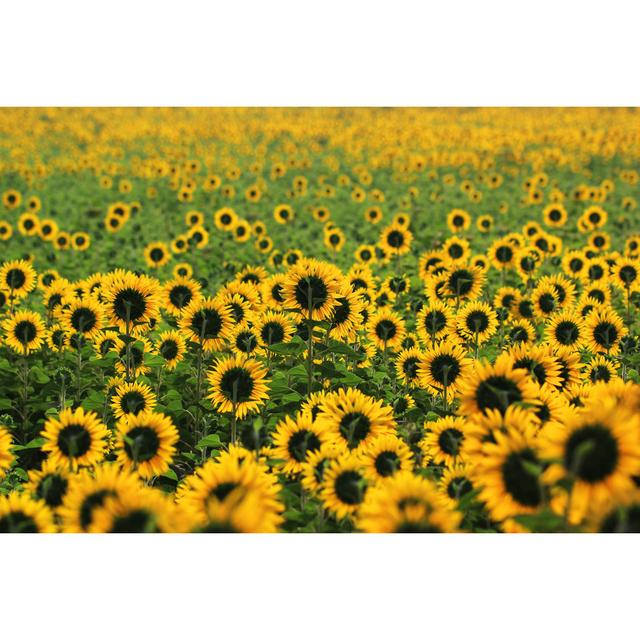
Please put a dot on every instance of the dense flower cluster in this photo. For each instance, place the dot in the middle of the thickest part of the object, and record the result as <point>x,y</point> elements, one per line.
<point>322,320</point>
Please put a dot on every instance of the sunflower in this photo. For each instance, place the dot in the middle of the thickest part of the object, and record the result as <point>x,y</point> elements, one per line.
<point>434,321</point>
<point>227,480</point>
<point>455,484</point>
<point>6,231</point>
<point>24,332</point>
<point>21,514</point>
<point>283,214</point>
<point>456,250</point>
<point>510,475</point>
<point>353,418</point>
<point>570,367</point>
<point>11,199</point>
<point>254,276</point>
<point>477,322</point>
<point>29,224</point>
<point>62,241</point>
<point>80,241</point>
<point>604,330</point>
<point>294,439</point>
<point>384,457</point>
<point>595,217</point>
<point>373,214</point>
<point>157,254</point>
<point>240,512</point>
<point>344,485</point>
<point>273,327</point>
<point>555,215</point>
<point>596,271</point>
<point>104,342</point>
<point>321,214</point>
<point>264,244</point>
<point>442,367</point>
<point>486,386</point>
<point>6,456</point>
<point>244,341</point>
<point>626,275</point>
<point>130,299</point>
<point>458,220</point>
<point>406,503</point>
<point>18,278</point>
<point>621,516</point>
<point>463,283</point>
<point>502,254</point>
<point>598,450</point>
<point>50,483</point>
<point>334,239</point>
<point>545,300</point>
<point>552,406</point>
<point>87,492</point>
<point>386,329</point>
<point>599,241</point>
<point>180,244</point>
<point>238,384</point>
<point>77,438</point>
<point>143,510</point>
<point>395,240</point>
<point>538,360</point>
<point>183,270</point>
<point>207,322</point>
<point>574,263</point>
<point>238,306</point>
<point>242,231</point>
<point>527,261</point>
<point>566,329</point>
<point>145,442</point>
<point>130,398</point>
<point>172,347</point>
<point>178,293</point>
<point>193,218</point>
<point>82,316</point>
<point>407,365</point>
<point>225,219</point>
<point>444,440</point>
<point>197,237</point>
<point>506,298</point>
<point>311,288</point>
<point>600,369</point>
<point>131,360</point>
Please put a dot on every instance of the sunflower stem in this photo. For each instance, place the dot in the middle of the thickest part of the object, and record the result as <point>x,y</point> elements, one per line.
<point>78,368</point>
<point>127,352</point>
<point>234,435</point>
<point>309,338</point>
<point>25,397</point>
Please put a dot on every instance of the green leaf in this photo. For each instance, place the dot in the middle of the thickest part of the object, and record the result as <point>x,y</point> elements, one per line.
<point>39,376</point>
<point>36,443</point>
<point>293,348</point>
<point>212,440</point>
<point>170,474</point>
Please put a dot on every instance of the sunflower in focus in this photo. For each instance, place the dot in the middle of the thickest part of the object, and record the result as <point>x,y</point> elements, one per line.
<point>76,438</point>
<point>237,384</point>
<point>146,443</point>
<point>353,418</point>
<point>294,439</point>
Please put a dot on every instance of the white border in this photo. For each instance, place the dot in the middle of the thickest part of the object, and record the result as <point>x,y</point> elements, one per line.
<point>284,52</point>
<point>334,52</point>
<point>320,586</point>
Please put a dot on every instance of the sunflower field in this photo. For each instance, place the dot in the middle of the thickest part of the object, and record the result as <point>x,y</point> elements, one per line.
<point>319,320</point>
